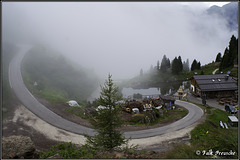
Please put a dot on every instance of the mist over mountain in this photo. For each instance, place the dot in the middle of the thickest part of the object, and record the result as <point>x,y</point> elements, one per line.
<point>121,37</point>
<point>229,12</point>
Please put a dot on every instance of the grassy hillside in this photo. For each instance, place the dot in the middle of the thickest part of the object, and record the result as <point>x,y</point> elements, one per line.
<point>57,77</point>
<point>206,136</point>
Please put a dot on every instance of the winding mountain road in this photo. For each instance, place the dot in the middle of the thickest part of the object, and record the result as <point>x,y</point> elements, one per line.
<point>29,101</point>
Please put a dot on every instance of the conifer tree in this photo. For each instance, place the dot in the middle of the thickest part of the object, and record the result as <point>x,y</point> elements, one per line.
<point>107,121</point>
<point>194,65</point>
<point>199,65</point>
<point>219,57</point>
<point>180,65</point>
<point>230,54</point>
<point>175,66</point>
<point>164,62</point>
<point>168,63</point>
<point>225,60</point>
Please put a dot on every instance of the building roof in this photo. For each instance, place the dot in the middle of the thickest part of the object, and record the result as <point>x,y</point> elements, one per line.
<point>168,98</point>
<point>217,82</point>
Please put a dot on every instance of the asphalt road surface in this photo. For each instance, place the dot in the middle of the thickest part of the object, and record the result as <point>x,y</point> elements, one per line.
<point>29,101</point>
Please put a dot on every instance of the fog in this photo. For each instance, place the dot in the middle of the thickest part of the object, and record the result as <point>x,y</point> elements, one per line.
<point>118,37</point>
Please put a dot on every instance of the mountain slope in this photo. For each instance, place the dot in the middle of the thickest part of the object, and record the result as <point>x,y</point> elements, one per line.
<point>228,12</point>
<point>58,79</point>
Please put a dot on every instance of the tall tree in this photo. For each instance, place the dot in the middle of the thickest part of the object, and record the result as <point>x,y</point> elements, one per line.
<point>199,65</point>
<point>107,121</point>
<point>168,63</point>
<point>180,65</point>
<point>175,67</point>
<point>164,62</point>
<point>233,49</point>
<point>218,57</point>
<point>194,65</point>
<point>225,59</point>
<point>230,54</point>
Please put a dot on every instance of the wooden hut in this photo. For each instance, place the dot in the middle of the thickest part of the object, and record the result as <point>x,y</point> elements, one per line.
<point>167,101</point>
<point>213,86</point>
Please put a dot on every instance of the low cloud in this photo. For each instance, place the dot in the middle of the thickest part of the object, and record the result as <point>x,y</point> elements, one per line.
<point>118,37</point>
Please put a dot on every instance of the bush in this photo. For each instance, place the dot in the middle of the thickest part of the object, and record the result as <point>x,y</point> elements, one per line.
<point>69,151</point>
<point>137,96</point>
<point>137,119</point>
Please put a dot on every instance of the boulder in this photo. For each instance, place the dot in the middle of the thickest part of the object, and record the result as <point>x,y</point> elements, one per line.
<point>17,147</point>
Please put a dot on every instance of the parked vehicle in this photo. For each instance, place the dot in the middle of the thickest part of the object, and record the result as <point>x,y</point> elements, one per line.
<point>73,103</point>
<point>230,109</point>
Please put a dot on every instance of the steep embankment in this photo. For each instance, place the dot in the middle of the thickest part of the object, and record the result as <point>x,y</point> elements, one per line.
<point>57,78</point>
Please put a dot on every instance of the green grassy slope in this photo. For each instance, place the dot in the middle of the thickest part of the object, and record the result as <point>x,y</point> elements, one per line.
<point>209,136</point>
<point>57,77</point>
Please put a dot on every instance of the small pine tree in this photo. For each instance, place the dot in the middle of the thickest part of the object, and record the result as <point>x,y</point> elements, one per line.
<point>107,121</point>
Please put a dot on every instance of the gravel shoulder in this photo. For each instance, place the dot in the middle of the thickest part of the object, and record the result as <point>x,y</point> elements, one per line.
<point>24,122</point>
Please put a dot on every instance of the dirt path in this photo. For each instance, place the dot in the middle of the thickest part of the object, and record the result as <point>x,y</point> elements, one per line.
<point>29,119</point>
<point>215,71</point>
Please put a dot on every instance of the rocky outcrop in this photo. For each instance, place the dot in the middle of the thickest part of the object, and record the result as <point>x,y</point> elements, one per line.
<point>18,147</point>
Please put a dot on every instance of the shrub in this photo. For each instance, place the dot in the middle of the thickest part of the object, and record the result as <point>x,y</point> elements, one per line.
<point>69,151</point>
<point>137,96</point>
